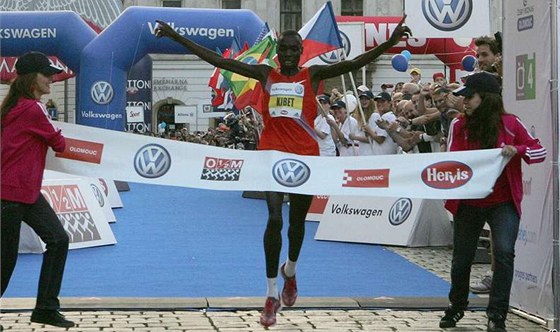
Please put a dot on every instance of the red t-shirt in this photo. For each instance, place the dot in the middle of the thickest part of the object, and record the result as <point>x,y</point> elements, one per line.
<point>289,111</point>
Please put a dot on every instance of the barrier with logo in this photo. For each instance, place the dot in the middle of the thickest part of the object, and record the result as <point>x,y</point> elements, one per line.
<point>110,189</point>
<point>317,208</point>
<point>104,153</point>
<point>384,220</point>
<point>79,212</point>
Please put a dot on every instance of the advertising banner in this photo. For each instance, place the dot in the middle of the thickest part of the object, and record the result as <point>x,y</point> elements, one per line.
<point>384,220</point>
<point>139,97</point>
<point>526,91</point>
<point>185,114</point>
<point>378,29</point>
<point>448,18</point>
<point>136,158</point>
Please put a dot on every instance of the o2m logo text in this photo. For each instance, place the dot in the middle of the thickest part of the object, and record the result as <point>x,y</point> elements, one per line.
<point>152,161</point>
<point>447,175</point>
<point>400,211</point>
<point>73,212</point>
<point>447,15</point>
<point>291,172</point>
<point>525,78</point>
<point>102,92</point>
<point>219,169</point>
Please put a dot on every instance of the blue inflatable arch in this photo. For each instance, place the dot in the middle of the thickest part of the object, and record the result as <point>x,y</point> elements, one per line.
<point>105,61</point>
<point>63,34</point>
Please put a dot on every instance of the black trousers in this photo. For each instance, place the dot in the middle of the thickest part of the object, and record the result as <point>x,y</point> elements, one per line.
<point>43,220</point>
<point>299,205</point>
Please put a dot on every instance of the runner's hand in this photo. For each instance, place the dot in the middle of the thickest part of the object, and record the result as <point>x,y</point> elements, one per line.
<point>400,31</point>
<point>165,30</point>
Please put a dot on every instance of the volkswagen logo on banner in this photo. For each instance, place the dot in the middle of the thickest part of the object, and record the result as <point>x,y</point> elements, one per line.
<point>102,92</point>
<point>400,211</point>
<point>447,15</point>
<point>98,195</point>
<point>290,172</point>
<point>152,161</point>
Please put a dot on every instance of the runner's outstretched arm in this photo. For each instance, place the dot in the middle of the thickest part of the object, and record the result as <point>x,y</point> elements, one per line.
<point>258,72</point>
<point>343,67</point>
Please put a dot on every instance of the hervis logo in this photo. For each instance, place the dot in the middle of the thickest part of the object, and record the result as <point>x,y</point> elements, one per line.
<point>447,15</point>
<point>447,175</point>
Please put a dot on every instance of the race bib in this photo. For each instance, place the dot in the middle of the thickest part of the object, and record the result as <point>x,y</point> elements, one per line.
<point>286,99</point>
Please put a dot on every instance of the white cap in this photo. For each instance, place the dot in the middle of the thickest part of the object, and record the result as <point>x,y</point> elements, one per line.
<point>362,88</point>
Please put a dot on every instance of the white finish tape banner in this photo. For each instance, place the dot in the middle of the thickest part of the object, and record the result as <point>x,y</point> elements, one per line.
<point>127,157</point>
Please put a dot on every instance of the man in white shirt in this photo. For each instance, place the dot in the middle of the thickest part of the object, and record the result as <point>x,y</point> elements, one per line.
<point>324,123</point>
<point>346,125</point>
<point>382,142</point>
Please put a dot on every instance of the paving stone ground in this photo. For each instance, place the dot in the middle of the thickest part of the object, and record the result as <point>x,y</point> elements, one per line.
<point>330,314</point>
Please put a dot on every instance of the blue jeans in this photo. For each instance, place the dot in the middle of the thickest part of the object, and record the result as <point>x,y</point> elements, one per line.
<point>43,220</point>
<point>504,225</point>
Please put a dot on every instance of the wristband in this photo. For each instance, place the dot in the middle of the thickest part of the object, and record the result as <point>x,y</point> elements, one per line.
<point>426,138</point>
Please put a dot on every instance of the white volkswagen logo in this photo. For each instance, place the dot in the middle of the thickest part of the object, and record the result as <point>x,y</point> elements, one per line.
<point>400,211</point>
<point>290,172</point>
<point>447,15</point>
<point>152,161</point>
<point>102,92</point>
<point>98,195</point>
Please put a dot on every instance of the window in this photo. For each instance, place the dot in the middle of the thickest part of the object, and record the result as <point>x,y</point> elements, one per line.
<point>231,4</point>
<point>352,8</point>
<point>290,15</point>
<point>172,3</point>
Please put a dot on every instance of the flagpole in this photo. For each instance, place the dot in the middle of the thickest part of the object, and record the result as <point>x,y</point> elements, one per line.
<point>355,90</point>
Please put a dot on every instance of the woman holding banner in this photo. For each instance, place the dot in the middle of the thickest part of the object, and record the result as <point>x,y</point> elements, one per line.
<point>288,113</point>
<point>486,125</point>
<point>27,133</point>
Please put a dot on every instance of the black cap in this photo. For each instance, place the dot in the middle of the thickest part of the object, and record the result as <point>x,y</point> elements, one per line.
<point>324,98</point>
<point>479,82</point>
<point>338,104</point>
<point>383,95</point>
<point>36,62</point>
<point>367,94</point>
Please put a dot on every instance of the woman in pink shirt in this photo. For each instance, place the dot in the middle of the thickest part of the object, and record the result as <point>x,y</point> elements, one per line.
<point>485,124</point>
<point>27,133</point>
